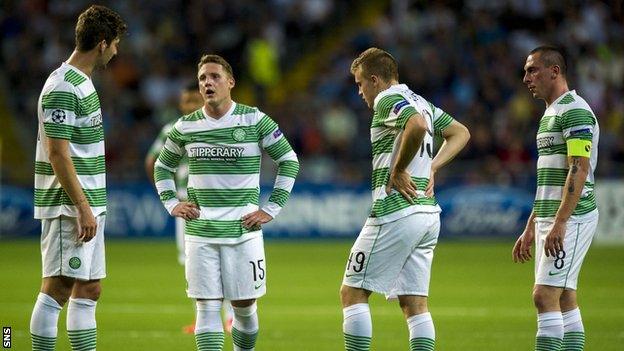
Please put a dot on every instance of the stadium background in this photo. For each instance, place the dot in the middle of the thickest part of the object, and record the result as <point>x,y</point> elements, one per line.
<point>291,58</point>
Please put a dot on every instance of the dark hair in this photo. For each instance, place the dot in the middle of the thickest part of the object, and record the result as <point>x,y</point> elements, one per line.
<point>98,23</point>
<point>377,62</point>
<point>552,56</point>
<point>218,60</point>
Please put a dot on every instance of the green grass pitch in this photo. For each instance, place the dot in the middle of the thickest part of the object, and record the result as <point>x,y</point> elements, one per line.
<point>479,299</point>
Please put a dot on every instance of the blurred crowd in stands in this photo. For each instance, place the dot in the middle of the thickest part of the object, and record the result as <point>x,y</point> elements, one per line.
<point>466,57</point>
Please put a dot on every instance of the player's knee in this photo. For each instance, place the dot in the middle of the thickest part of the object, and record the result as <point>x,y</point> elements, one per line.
<point>243,303</point>
<point>94,291</point>
<point>416,304</point>
<point>350,296</point>
<point>58,288</point>
<point>567,301</point>
<point>89,290</point>
<point>544,299</point>
<point>60,296</point>
<point>413,305</point>
<point>538,298</point>
<point>344,294</point>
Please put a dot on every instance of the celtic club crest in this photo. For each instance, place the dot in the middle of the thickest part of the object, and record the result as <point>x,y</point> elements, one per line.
<point>239,134</point>
<point>74,262</point>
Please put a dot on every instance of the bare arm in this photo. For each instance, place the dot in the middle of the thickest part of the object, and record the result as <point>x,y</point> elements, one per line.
<point>455,135</point>
<point>58,154</point>
<point>164,170</point>
<point>522,248</point>
<point>278,148</point>
<point>149,167</point>
<point>154,151</point>
<point>167,192</point>
<point>575,181</point>
<point>530,223</point>
<point>412,138</point>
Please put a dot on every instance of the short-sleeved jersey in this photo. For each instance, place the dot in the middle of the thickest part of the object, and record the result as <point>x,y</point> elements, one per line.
<point>567,118</point>
<point>181,175</point>
<point>224,170</point>
<point>69,108</point>
<point>392,108</point>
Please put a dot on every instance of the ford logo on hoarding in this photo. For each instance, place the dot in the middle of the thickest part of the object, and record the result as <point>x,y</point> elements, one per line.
<point>484,211</point>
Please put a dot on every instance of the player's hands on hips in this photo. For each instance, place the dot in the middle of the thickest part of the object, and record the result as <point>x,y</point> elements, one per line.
<point>522,248</point>
<point>87,226</point>
<point>554,239</point>
<point>256,219</point>
<point>186,210</point>
<point>402,182</point>
<point>429,189</point>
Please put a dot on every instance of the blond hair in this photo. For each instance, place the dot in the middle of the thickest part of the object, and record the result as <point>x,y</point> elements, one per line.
<point>377,62</point>
<point>218,60</point>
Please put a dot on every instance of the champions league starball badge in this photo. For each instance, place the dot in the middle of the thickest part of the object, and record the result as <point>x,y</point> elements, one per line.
<point>58,116</point>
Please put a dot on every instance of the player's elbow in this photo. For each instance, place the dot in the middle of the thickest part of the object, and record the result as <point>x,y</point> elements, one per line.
<point>583,170</point>
<point>416,124</point>
<point>56,155</point>
<point>296,166</point>
<point>465,133</point>
<point>57,150</point>
<point>579,165</point>
<point>290,165</point>
<point>296,173</point>
<point>290,158</point>
<point>294,157</point>
<point>159,166</point>
<point>458,133</point>
<point>53,154</point>
<point>149,164</point>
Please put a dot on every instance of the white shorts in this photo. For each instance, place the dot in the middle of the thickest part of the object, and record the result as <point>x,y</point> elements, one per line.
<point>179,237</point>
<point>230,271</point>
<point>394,258</point>
<point>63,255</point>
<point>563,271</point>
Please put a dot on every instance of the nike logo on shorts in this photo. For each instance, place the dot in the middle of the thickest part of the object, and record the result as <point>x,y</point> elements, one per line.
<point>553,273</point>
<point>258,286</point>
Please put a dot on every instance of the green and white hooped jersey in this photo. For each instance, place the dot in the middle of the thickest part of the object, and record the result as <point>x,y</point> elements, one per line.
<point>224,170</point>
<point>69,108</point>
<point>392,108</point>
<point>567,123</point>
<point>181,175</point>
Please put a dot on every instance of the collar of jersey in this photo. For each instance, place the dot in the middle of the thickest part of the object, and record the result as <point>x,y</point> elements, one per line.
<point>225,116</point>
<point>573,92</point>
<point>390,90</point>
<point>76,69</point>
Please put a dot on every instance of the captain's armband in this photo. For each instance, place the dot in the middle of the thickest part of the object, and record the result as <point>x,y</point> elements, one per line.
<point>579,147</point>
